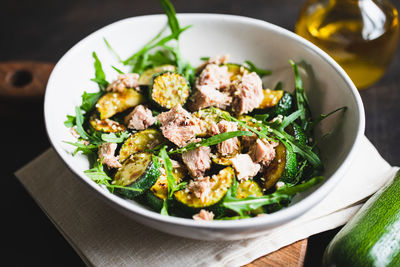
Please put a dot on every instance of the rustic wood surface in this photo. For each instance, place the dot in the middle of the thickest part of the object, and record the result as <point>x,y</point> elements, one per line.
<point>44,30</point>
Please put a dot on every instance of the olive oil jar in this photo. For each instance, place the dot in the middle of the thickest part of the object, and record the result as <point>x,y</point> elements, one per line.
<point>361,35</point>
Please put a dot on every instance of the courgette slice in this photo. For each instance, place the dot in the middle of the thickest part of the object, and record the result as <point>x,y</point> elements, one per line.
<point>236,70</point>
<point>271,98</point>
<point>114,102</point>
<point>223,160</point>
<point>147,75</point>
<point>207,118</point>
<point>139,172</point>
<point>250,188</point>
<point>139,142</point>
<point>106,125</point>
<point>159,191</point>
<point>221,184</point>
<point>283,167</point>
<point>169,89</point>
<point>284,106</point>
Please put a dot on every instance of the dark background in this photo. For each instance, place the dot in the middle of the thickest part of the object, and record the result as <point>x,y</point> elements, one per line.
<point>45,30</point>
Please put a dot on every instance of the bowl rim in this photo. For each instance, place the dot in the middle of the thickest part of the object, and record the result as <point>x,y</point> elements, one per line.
<point>281,216</point>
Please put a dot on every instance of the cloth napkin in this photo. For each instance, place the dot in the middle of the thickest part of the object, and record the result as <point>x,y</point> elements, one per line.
<point>104,237</point>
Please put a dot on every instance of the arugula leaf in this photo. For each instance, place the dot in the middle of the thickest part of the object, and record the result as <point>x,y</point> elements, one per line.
<point>245,205</point>
<point>204,58</point>
<point>260,72</point>
<point>85,149</point>
<point>115,137</point>
<point>278,86</point>
<point>89,100</point>
<point>170,178</point>
<point>98,175</point>
<point>117,70</point>
<point>301,97</point>
<point>171,14</point>
<point>100,77</point>
<point>112,50</point>
<point>216,139</point>
<point>70,121</point>
<point>79,123</point>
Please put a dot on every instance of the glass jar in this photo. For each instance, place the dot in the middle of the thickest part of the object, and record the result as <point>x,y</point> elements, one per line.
<point>361,35</point>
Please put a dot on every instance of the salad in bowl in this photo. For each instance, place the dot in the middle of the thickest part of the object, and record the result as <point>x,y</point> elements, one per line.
<point>210,142</point>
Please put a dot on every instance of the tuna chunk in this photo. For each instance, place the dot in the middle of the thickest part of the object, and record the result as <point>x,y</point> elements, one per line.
<point>106,154</point>
<point>262,152</point>
<point>140,118</point>
<point>207,96</point>
<point>197,161</point>
<point>245,167</point>
<point>214,76</point>
<point>248,93</point>
<point>178,126</point>
<point>203,215</point>
<point>217,60</point>
<point>201,188</point>
<point>230,146</point>
<point>129,80</point>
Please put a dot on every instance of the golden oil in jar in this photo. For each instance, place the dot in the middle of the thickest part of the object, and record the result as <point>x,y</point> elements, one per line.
<point>361,35</point>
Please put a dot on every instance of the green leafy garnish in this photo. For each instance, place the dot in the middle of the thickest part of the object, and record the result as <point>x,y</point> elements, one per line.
<point>216,139</point>
<point>99,76</point>
<point>115,137</point>
<point>245,205</point>
<point>98,175</point>
<point>260,72</point>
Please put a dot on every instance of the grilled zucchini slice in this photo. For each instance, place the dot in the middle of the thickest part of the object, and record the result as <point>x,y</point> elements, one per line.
<point>159,191</point>
<point>114,102</point>
<point>221,184</point>
<point>271,98</point>
<point>236,70</point>
<point>169,89</point>
<point>147,75</point>
<point>139,142</point>
<point>284,106</point>
<point>106,125</point>
<point>140,172</point>
<point>283,167</point>
<point>207,117</point>
<point>248,188</point>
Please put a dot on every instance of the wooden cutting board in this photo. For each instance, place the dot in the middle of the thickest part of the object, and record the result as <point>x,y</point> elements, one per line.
<point>26,81</point>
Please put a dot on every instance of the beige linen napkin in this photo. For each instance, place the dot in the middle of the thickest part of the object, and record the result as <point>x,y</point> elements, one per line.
<point>104,237</point>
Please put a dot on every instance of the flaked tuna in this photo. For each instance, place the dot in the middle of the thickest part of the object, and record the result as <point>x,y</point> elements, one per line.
<point>245,168</point>
<point>230,146</point>
<point>207,96</point>
<point>129,80</point>
<point>178,126</point>
<point>203,215</point>
<point>106,154</point>
<point>262,152</point>
<point>140,118</point>
<point>200,188</point>
<point>214,76</point>
<point>197,161</point>
<point>248,93</point>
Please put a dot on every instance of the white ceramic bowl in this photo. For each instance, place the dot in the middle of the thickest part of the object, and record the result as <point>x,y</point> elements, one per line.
<point>268,46</point>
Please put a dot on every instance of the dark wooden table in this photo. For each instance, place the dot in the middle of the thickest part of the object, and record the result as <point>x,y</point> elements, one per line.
<point>44,30</point>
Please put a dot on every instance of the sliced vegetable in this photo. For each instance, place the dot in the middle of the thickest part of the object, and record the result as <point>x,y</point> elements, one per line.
<point>208,117</point>
<point>106,125</point>
<point>284,107</point>
<point>283,167</point>
<point>146,77</point>
<point>140,171</point>
<point>169,89</point>
<point>223,160</point>
<point>248,188</point>
<point>372,236</point>
<point>114,102</point>
<point>271,98</point>
<point>159,191</point>
<point>221,183</point>
<point>141,141</point>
